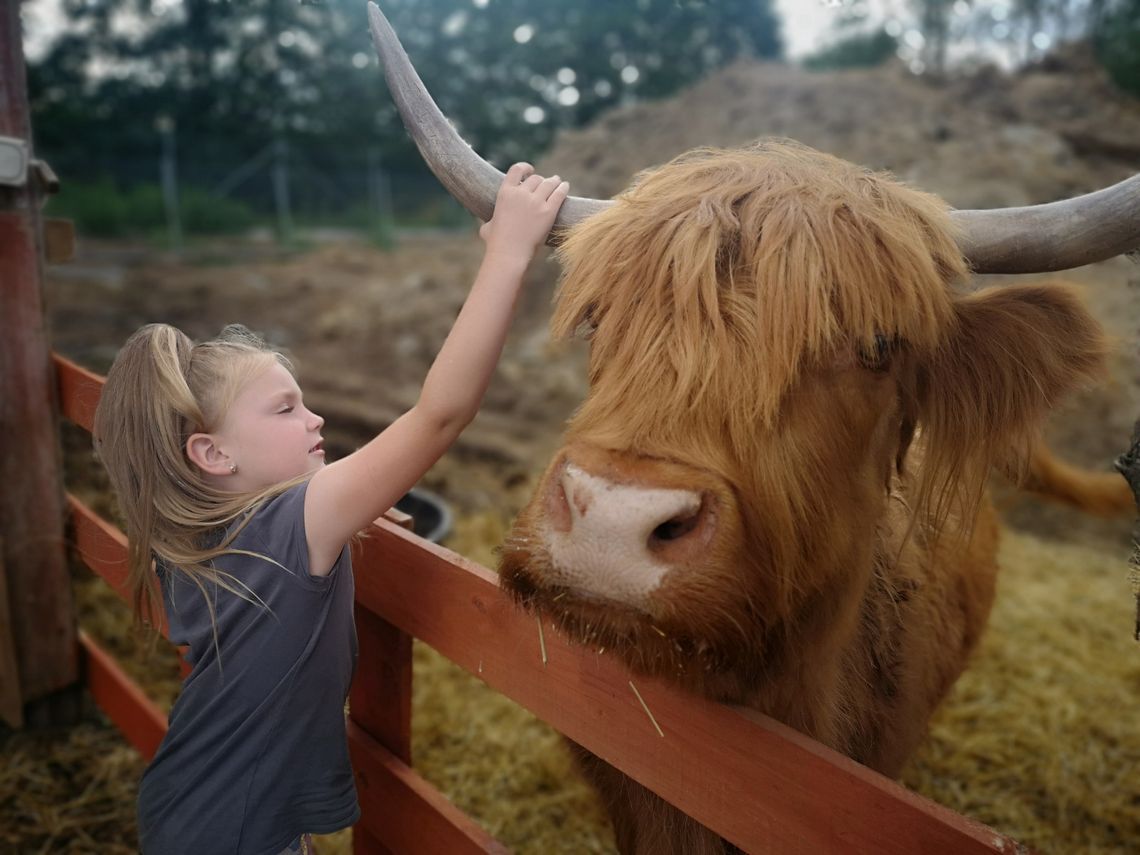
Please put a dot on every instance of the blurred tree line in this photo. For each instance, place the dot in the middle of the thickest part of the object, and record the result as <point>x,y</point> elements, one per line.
<point>229,89</point>
<point>227,78</point>
<point>1017,31</point>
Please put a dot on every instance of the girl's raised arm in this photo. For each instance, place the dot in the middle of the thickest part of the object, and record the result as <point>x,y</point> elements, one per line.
<point>347,495</point>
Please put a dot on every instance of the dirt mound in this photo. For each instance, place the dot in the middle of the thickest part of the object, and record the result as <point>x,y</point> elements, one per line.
<point>986,140</point>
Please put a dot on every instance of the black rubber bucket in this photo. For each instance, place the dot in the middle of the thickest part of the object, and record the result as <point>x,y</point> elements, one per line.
<point>431,517</point>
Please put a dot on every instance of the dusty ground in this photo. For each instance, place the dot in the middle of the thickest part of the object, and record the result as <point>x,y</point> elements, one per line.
<point>363,326</point>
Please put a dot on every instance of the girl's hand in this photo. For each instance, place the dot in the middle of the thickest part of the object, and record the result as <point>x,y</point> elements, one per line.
<point>524,212</point>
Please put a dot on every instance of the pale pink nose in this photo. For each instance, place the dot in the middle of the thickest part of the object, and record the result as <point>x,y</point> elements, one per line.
<point>619,540</point>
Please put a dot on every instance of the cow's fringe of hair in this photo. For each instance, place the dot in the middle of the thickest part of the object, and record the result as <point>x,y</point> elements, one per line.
<point>791,258</point>
<point>822,253</point>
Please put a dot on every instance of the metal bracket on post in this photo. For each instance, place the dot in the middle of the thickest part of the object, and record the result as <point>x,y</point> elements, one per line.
<point>13,162</point>
<point>45,177</point>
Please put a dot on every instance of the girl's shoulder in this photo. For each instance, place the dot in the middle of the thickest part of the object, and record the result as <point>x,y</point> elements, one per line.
<point>284,508</point>
<point>276,531</point>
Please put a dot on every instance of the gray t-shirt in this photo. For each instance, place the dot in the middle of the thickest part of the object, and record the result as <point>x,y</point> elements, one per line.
<point>257,753</point>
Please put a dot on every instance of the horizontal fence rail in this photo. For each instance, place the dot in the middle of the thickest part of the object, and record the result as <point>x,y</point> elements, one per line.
<point>758,783</point>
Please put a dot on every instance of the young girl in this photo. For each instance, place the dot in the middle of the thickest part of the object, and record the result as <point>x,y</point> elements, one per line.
<point>221,476</point>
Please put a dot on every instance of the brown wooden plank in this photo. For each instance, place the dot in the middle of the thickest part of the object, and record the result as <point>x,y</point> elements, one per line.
<point>381,698</point>
<point>404,812</point>
<point>363,843</point>
<point>59,240</point>
<point>762,785</point>
<point>79,391</point>
<point>103,549</point>
<point>101,545</point>
<point>141,721</point>
<point>31,508</point>
<point>11,698</point>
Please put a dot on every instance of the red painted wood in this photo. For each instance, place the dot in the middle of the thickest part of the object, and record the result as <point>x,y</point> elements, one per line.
<point>141,721</point>
<point>762,785</point>
<point>101,546</point>
<point>363,843</point>
<point>403,812</point>
<point>380,702</point>
<point>79,391</point>
<point>42,637</point>
<point>11,698</point>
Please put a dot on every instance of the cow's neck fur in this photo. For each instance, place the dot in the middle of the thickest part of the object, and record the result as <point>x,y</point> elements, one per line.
<point>834,670</point>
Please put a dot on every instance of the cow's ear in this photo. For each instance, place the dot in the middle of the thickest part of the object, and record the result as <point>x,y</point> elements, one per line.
<point>1013,353</point>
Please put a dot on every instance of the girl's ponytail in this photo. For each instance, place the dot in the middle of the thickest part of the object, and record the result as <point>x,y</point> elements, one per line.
<point>161,389</point>
<point>138,425</point>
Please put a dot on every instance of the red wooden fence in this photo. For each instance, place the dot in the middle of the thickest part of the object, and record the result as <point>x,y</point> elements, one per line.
<point>758,783</point>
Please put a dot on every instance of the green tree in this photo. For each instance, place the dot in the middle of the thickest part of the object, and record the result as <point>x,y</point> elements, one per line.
<point>232,74</point>
<point>860,50</point>
<point>934,23</point>
<point>1117,40</point>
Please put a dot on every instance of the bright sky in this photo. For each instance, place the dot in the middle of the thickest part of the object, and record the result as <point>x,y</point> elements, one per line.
<point>806,22</point>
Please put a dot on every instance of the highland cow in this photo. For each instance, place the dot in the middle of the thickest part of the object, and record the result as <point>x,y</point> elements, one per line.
<point>774,492</point>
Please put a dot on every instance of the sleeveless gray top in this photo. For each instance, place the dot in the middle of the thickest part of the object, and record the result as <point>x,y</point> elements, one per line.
<point>256,753</point>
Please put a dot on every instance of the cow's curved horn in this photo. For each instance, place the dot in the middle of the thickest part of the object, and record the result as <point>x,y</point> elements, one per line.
<point>1055,236</point>
<point>1034,239</point>
<point>470,179</point>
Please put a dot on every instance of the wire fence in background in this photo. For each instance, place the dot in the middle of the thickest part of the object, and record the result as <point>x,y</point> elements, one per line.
<point>170,191</point>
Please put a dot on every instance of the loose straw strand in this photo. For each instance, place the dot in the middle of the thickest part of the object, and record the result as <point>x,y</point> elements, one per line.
<point>646,708</point>
<point>541,641</point>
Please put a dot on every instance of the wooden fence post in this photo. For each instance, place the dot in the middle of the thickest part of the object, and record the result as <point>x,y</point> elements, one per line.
<point>381,699</point>
<point>42,633</point>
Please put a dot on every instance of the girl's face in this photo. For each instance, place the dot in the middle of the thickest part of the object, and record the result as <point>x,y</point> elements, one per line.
<point>268,433</point>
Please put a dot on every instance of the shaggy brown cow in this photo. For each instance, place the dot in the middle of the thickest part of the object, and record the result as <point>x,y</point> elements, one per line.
<point>774,492</point>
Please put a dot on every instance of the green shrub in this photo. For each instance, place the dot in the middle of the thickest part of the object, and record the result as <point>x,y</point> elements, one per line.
<point>1118,45</point>
<point>98,209</point>
<point>102,209</point>
<point>859,51</point>
<point>203,214</point>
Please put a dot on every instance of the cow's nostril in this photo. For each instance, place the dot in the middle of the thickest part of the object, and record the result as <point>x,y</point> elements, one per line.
<point>675,528</point>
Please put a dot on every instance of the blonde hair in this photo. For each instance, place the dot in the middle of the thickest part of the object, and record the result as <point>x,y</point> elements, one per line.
<point>161,389</point>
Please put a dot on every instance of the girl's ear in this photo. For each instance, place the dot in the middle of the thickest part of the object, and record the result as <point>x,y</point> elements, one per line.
<point>1014,353</point>
<point>203,451</point>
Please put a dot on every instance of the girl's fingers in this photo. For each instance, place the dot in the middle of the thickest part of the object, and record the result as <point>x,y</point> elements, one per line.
<point>519,173</point>
<point>548,186</point>
<point>560,193</point>
<point>532,182</point>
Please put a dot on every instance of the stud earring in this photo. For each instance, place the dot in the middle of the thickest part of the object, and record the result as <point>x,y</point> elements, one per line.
<point>233,469</point>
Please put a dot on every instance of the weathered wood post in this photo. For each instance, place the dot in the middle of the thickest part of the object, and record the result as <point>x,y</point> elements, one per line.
<point>380,703</point>
<point>1128,464</point>
<point>41,634</point>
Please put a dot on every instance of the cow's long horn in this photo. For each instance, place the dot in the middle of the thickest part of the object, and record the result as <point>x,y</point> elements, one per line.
<point>1055,236</point>
<point>1034,239</point>
<point>470,179</point>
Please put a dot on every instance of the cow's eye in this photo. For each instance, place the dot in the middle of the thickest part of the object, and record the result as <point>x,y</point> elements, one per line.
<point>877,355</point>
<point>588,324</point>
